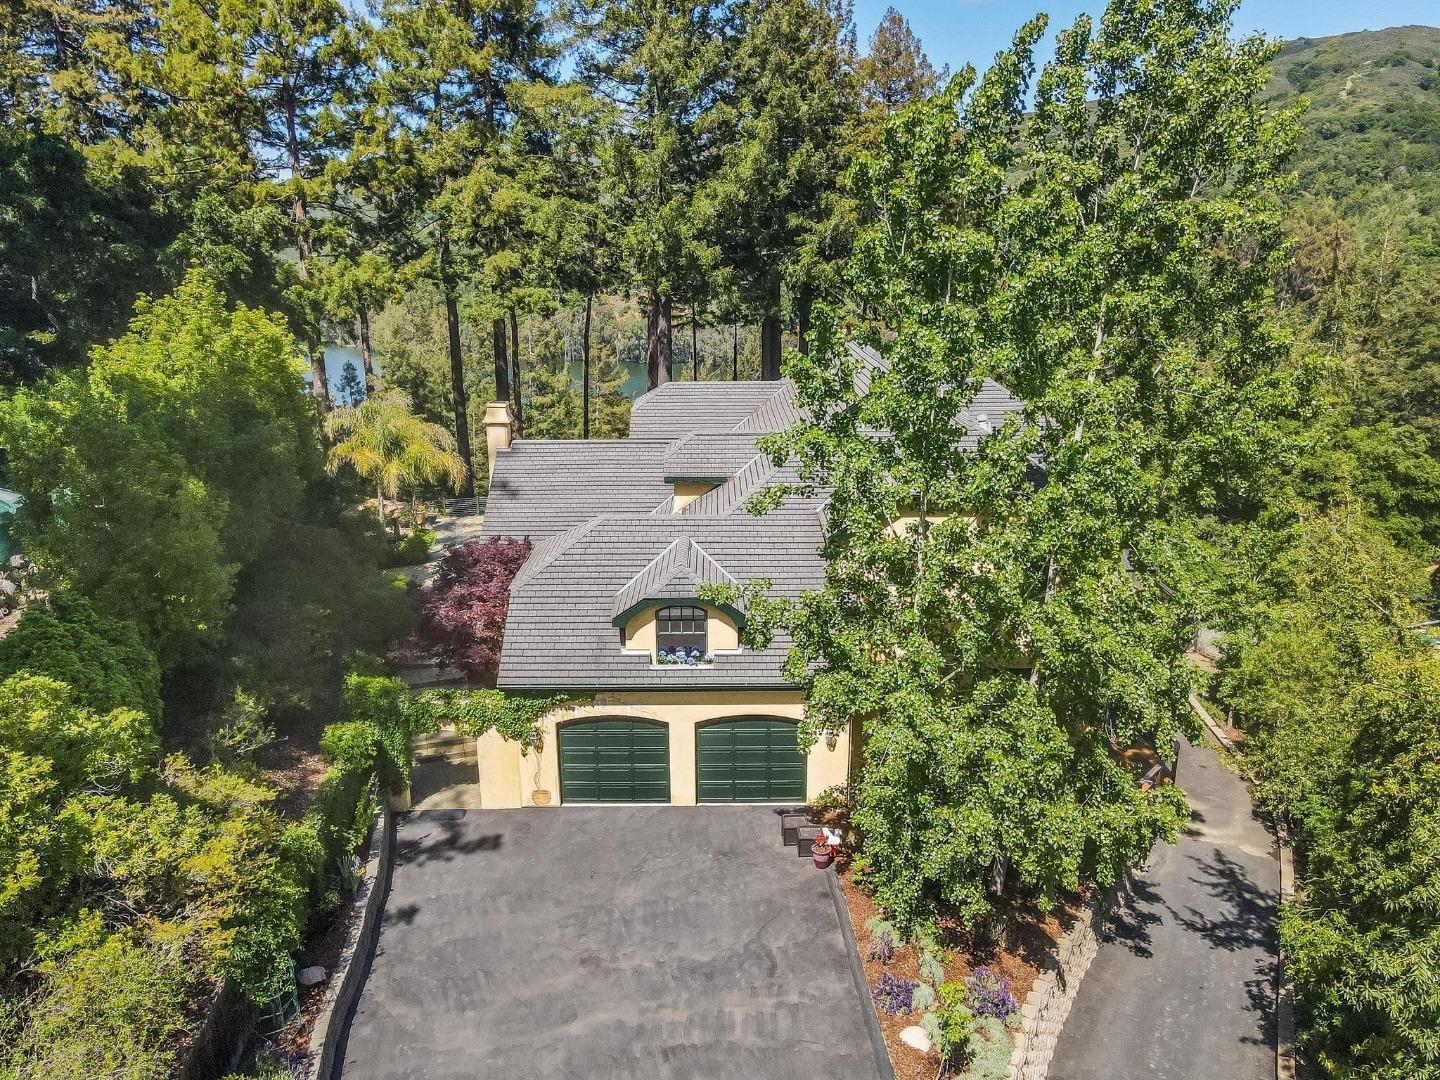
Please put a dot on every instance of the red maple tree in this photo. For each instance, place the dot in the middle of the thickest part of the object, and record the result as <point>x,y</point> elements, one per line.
<point>461,614</point>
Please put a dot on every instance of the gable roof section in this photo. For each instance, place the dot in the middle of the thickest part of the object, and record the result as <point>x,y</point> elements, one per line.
<point>676,409</point>
<point>559,630</point>
<point>675,574</point>
<point>708,456</point>
<point>544,486</point>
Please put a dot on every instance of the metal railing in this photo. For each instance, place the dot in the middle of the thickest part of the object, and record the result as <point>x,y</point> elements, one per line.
<point>464,507</point>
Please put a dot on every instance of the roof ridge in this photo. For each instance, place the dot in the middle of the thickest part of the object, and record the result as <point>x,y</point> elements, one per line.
<point>682,558</point>
<point>551,548</point>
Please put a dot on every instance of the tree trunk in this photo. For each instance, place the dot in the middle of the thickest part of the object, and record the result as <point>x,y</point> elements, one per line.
<point>319,378</point>
<point>457,368</point>
<point>770,332</point>
<point>515,379</point>
<point>380,504</point>
<point>657,340</point>
<point>734,352</point>
<point>585,366</point>
<point>695,343</point>
<point>502,362</point>
<point>367,357</point>
<point>804,305</point>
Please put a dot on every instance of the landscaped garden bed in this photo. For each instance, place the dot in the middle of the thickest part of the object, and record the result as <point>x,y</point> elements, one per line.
<point>1028,937</point>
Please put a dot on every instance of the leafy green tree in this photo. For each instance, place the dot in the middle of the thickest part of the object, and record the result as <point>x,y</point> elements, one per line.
<point>103,660</point>
<point>163,467</point>
<point>666,70</point>
<point>1107,255</point>
<point>77,244</point>
<point>388,445</point>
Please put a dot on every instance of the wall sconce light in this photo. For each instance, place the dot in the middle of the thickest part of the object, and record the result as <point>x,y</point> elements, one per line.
<point>830,740</point>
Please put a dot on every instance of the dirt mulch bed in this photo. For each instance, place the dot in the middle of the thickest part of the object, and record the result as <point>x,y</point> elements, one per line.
<point>323,948</point>
<point>1030,939</point>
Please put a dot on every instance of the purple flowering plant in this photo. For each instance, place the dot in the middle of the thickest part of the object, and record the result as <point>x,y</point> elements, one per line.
<point>989,994</point>
<point>893,993</point>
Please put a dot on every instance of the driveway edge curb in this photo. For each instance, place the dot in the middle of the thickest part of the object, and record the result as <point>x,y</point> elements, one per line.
<point>327,1034</point>
<point>1046,1007</point>
<point>857,976</point>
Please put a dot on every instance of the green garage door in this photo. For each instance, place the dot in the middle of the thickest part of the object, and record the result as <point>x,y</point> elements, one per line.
<point>614,761</point>
<point>750,759</point>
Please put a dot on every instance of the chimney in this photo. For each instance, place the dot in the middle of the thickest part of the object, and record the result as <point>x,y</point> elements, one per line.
<point>497,431</point>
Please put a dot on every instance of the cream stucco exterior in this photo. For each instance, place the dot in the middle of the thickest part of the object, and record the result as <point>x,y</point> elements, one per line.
<point>687,492</point>
<point>509,778</point>
<point>721,632</point>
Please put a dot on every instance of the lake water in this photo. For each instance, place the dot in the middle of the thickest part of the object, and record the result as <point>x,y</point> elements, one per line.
<point>336,357</point>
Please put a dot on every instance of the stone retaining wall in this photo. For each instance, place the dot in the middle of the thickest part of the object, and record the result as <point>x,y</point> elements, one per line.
<point>345,981</point>
<point>1048,1004</point>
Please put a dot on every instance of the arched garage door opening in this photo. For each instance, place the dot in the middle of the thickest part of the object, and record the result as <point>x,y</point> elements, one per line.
<point>749,759</point>
<point>614,761</point>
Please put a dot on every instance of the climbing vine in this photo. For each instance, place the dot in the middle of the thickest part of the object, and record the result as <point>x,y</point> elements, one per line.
<point>473,712</point>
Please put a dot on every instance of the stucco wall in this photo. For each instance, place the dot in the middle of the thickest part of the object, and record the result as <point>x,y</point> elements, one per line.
<point>722,632</point>
<point>508,778</point>
<point>688,492</point>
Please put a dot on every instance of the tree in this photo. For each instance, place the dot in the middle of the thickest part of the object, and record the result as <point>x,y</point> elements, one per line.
<point>1107,255</point>
<point>795,100</point>
<point>159,470</point>
<point>893,73</point>
<point>665,70</point>
<point>102,659</point>
<point>387,444</point>
<point>461,614</point>
<point>444,99</point>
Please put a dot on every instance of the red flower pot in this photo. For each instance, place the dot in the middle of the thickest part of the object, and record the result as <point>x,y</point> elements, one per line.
<point>822,854</point>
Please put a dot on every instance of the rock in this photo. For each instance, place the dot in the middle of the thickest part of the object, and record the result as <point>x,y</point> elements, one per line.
<point>915,1036</point>
<point>311,975</point>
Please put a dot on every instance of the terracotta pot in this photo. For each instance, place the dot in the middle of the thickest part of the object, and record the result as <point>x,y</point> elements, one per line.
<point>822,854</point>
<point>540,797</point>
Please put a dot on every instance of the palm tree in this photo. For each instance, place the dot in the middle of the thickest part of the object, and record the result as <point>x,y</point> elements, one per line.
<point>387,444</point>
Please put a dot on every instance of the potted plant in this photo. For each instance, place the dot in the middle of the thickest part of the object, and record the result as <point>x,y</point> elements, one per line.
<point>822,852</point>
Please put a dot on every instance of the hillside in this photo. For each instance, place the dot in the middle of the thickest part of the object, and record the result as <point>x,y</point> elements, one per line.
<point>1372,129</point>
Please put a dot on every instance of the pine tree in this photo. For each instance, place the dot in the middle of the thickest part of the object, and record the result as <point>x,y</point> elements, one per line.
<point>893,73</point>
<point>665,69</point>
<point>794,100</point>
<point>444,98</point>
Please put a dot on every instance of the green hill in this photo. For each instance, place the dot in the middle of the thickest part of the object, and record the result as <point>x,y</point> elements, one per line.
<point>1372,129</point>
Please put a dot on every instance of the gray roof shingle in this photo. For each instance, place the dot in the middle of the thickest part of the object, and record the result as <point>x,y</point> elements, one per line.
<point>559,633</point>
<point>545,486</point>
<point>608,539</point>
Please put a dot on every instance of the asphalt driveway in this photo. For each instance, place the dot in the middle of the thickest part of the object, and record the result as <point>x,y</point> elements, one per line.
<point>1183,987</point>
<point>608,943</point>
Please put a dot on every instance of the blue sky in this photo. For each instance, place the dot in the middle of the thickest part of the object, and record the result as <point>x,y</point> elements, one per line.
<point>956,32</point>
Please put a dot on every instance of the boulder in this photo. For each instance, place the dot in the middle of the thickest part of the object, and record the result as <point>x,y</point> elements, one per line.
<point>310,976</point>
<point>915,1036</point>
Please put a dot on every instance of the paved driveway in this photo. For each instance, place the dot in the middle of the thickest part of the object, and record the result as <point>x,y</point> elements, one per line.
<point>1184,986</point>
<point>608,943</point>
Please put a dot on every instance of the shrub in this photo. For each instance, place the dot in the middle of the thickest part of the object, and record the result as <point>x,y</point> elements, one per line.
<point>461,615</point>
<point>102,659</point>
<point>954,1022</point>
<point>893,993</point>
<point>924,999</point>
<point>882,948</point>
<point>987,1056</point>
<point>412,550</point>
<point>989,994</point>
<point>114,1010</point>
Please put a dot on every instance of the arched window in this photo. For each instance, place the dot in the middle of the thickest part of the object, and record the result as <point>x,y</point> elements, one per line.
<point>680,632</point>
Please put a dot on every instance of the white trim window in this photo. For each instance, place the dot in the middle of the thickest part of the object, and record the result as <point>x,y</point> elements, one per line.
<point>681,636</point>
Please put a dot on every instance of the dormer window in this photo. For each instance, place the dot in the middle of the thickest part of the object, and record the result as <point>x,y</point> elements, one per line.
<point>680,634</point>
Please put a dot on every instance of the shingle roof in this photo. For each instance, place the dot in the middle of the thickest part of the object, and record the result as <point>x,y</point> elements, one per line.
<point>708,456</point>
<point>545,486</point>
<point>609,540</point>
<point>559,634</point>
<point>675,409</point>
<point>675,574</point>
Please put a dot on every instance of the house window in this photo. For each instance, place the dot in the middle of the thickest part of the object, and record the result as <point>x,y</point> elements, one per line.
<point>680,634</point>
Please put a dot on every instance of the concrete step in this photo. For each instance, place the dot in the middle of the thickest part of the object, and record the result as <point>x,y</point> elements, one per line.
<point>790,824</point>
